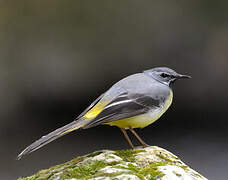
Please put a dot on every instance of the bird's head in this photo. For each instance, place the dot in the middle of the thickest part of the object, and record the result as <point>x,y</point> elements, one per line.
<point>165,75</point>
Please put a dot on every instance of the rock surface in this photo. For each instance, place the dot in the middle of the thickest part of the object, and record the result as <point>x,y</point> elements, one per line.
<point>151,163</point>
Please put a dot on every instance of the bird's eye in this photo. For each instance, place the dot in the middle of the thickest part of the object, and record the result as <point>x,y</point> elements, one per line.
<point>164,75</point>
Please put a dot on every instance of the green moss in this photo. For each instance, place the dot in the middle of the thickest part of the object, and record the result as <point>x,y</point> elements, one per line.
<point>128,155</point>
<point>107,174</point>
<point>86,167</point>
<point>198,175</point>
<point>184,167</point>
<point>151,170</point>
<point>94,154</point>
<point>164,158</point>
<point>88,170</point>
<point>83,171</point>
<point>72,169</point>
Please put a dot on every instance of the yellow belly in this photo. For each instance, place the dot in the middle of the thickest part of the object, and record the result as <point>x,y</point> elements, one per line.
<point>143,120</point>
<point>139,121</point>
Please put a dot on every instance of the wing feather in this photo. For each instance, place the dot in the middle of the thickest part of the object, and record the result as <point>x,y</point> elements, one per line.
<point>124,106</point>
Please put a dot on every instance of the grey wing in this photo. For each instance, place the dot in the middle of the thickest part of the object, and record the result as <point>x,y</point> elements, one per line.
<point>124,106</point>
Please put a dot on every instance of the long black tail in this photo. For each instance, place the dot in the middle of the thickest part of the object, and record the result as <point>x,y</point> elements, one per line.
<point>52,136</point>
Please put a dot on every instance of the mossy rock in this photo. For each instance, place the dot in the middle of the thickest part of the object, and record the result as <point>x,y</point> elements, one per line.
<point>151,163</point>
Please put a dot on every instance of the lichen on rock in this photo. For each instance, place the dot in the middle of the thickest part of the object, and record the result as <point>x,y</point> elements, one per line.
<point>151,163</point>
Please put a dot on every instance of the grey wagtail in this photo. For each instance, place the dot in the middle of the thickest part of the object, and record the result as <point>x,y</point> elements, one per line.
<point>134,102</point>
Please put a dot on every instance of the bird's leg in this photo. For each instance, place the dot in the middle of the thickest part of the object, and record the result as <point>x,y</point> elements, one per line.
<point>137,136</point>
<point>127,137</point>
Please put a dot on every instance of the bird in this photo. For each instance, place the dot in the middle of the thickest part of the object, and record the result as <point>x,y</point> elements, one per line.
<point>135,101</point>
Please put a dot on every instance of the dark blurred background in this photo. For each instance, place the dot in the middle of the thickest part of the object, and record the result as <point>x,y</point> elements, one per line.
<point>56,57</point>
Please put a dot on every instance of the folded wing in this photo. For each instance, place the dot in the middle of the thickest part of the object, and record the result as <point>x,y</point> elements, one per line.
<point>124,106</point>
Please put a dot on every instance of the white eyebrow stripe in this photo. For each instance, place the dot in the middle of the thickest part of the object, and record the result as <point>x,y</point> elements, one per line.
<point>117,103</point>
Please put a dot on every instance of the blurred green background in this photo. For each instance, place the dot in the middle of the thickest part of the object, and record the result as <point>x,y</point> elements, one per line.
<point>56,57</point>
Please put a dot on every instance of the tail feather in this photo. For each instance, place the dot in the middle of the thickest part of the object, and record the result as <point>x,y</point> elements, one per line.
<point>51,137</point>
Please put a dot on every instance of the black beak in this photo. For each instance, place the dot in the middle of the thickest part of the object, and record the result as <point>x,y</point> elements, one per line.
<point>180,76</point>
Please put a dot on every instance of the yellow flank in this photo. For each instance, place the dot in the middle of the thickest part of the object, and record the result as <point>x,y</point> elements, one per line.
<point>143,120</point>
<point>91,114</point>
